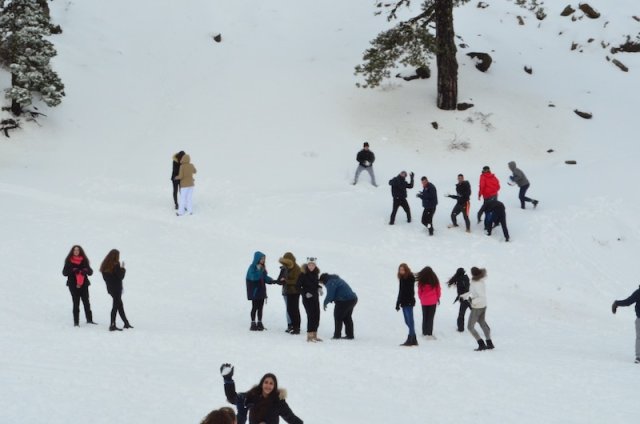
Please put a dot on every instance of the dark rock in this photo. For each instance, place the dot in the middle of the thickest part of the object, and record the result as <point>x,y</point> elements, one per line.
<point>540,14</point>
<point>585,115</point>
<point>528,69</point>
<point>551,105</point>
<point>520,20</point>
<point>434,124</point>
<point>464,106</point>
<point>567,11</point>
<point>570,162</point>
<point>463,45</point>
<point>484,60</point>
<point>589,11</point>
<point>482,5</point>
<point>628,47</point>
<point>423,72</point>
<point>636,18</point>
<point>620,65</point>
<point>217,38</point>
<point>550,151</point>
<point>590,40</point>
<point>574,45</point>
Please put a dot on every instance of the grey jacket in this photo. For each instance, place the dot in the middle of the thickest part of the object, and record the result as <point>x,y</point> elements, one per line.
<point>518,176</point>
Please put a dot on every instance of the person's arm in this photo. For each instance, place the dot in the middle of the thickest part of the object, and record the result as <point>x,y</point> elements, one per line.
<point>635,297</point>
<point>373,158</point>
<point>66,270</point>
<point>87,270</point>
<point>180,174</point>
<point>287,414</point>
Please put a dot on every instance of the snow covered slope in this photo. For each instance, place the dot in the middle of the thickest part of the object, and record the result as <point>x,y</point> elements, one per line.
<point>273,121</point>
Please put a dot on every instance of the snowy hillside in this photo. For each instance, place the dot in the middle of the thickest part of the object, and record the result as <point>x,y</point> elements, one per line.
<point>272,120</point>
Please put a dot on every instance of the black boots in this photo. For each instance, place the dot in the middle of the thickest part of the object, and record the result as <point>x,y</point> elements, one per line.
<point>127,325</point>
<point>481,346</point>
<point>260,326</point>
<point>113,327</point>
<point>253,327</point>
<point>490,344</point>
<point>411,341</point>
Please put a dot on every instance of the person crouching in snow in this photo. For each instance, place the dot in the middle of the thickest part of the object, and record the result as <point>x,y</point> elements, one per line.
<point>477,294</point>
<point>461,281</point>
<point>185,176</point>
<point>256,280</point>
<point>407,300</point>
<point>634,298</point>
<point>265,402</point>
<point>338,291</point>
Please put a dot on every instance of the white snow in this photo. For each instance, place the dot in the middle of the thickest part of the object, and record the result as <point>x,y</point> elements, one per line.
<point>272,120</point>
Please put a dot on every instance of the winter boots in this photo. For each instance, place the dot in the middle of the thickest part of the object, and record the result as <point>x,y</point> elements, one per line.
<point>481,346</point>
<point>113,327</point>
<point>312,336</point>
<point>637,361</point>
<point>411,341</point>
<point>260,326</point>
<point>253,327</point>
<point>294,331</point>
<point>490,344</point>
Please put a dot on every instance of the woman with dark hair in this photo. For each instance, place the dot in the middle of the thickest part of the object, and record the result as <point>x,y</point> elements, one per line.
<point>461,281</point>
<point>224,415</point>
<point>174,173</point>
<point>429,292</point>
<point>309,287</point>
<point>77,270</point>
<point>265,403</point>
<point>256,280</point>
<point>407,300</point>
<point>477,295</point>
<point>113,274</point>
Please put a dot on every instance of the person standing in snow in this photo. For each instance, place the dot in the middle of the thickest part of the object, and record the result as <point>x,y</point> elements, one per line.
<point>338,291</point>
<point>113,273</point>
<point>281,280</point>
<point>365,158</point>
<point>462,197</point>
<point>429,196</point>
<point>522,182</point>
<point>399,188</point>
<point>429,292</point>
<point>257,279</point>
<point>488,188</point>
<point>477,295</point>
<point>495,215</point>
<point>185,177</point>
<point>310,290</point>
<point>174,173</point>
<point>265,403</point>
<point>461,281</point>
<point>292,291</point>
<point>634,298</point>
<point>407,300</point>
<point>77,270</point>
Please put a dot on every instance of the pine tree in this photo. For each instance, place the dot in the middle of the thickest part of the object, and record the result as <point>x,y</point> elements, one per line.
<point>24,24</point>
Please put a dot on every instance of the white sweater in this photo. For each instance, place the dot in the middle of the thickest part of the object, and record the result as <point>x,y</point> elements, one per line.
<point>477,294</point>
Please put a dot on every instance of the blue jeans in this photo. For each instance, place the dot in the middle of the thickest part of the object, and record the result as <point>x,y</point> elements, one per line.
<point>407,311</point>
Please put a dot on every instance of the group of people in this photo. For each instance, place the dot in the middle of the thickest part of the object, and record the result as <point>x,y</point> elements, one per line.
<point>471,295</point>
<point>183,182</point>
<point>77,269</point>
<point>304,281</point>
<point>489,186</point>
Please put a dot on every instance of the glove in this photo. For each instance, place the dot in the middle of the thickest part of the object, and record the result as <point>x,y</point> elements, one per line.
<point>411,174</point>
<point>614,307</point>
<point>397,307</point>
<point>308,295</point>
<point>320,291</point>
<point>226,370</point>
<point>325,308</point>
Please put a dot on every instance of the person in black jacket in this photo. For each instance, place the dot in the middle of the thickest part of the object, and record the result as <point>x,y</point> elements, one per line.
<point>399,188</point>
<point>365,158</point>
<point>113,274</point>
<point>429,196</point>
<point>265,403</point>
<point>495,215</point>
<point>463,194</point>
<point>634,298</point>
<point>461,280</point>
<point>407,300</point>
<point>77,270</point>
<point>174,173</point>
<point>310,289</point>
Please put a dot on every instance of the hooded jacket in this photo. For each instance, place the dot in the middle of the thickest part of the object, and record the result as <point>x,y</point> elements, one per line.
<point>246,401</point>
<point>518,176</point>
<point>292,274</point>
<point>489,185</point>
<point>185,175</point>
<point>257,279</point>
<point>337,290</point>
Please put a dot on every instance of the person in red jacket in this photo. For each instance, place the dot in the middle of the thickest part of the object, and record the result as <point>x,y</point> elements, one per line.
<point>429,293</point>
<point>488,189</point>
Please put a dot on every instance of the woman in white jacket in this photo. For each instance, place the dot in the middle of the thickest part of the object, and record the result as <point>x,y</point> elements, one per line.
<point>477,295</point>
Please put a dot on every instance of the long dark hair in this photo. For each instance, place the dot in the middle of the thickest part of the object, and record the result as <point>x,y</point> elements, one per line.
<point>81,253</point>
<point>427,276</point>
<point>407,271</point>
<point>110,261</point>
<point>262,405</point>
<point>456,277</point>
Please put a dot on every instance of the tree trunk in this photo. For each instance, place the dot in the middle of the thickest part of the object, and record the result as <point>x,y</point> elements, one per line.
<point>446,56</point>
<point>16,109</point>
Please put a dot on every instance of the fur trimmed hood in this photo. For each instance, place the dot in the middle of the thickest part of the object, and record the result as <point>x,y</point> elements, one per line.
<point>282,392</point>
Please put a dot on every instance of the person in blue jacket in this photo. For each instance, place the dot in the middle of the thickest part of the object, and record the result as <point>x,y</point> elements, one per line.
<point>634,298</point>
<point>257,278</point>
<point>429,196</point>
<point>339,292</point>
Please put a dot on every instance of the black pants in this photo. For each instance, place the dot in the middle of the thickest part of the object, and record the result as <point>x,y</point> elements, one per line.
<point>428,313</point>
<point>464,305</point>
<point>494,220</point>
<point>342,315</point>
<point>427,218</point>
<point>117,307</point>
<point>78,294</point>
<point>400,203</point>
<point>176,188</point>
<point>256,308</point>
<point>457,209</point>
<point>293,310</point>
<point>312,307</point>
<point>481,211</point>
<point>522,195</point>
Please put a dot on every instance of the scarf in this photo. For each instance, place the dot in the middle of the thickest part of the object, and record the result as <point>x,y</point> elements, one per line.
<point>77,260</point>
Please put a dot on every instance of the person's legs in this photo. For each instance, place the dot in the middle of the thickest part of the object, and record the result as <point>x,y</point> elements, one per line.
<point>114,307</point>
<point>189,199</point>
<point>75,298</point>
<point>405,207</point>
<point>424,320</point>
<point>637,337</point>
<point>461,311</point>
<point>84,296</point>
<point>407,312</point>
<point>522,195</point>
<point>454,213</point>
<point>176,188</point>
<point>338,316</point>
<point>430,314</point>
<point>396,205</point>
<point>465,215</point>
<point>348,318</point>
<point>182,205</point>
<point>483,324</point>
<point>473,318</point>
<point>372,175</point>
<point>293,309</point>
<point>358,171</point>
